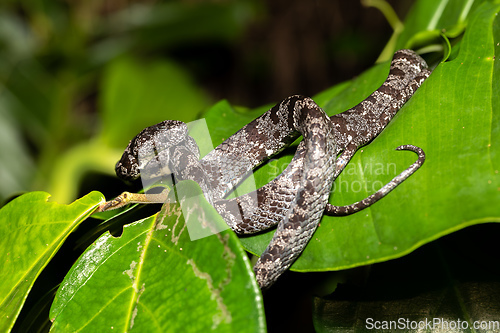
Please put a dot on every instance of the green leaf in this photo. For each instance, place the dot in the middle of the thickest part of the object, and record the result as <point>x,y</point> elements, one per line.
<point>145,279</point>
<point>32,231</point>
<point>454,117</point>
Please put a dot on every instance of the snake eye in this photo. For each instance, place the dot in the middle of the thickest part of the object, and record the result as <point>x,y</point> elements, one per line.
<point>127,168</point>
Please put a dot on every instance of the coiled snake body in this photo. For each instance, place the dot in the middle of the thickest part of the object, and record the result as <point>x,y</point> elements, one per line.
<point>297,198</point>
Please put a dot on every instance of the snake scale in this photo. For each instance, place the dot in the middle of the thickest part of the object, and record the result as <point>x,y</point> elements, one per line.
<point>296,199</point>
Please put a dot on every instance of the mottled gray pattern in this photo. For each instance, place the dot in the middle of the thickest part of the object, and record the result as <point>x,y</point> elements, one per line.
<point>297,198</point>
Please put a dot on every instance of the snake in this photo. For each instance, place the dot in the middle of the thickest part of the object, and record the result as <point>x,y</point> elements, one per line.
<point>296,199</point>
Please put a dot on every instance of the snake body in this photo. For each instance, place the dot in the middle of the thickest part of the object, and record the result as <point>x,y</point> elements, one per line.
<point>298,197</point>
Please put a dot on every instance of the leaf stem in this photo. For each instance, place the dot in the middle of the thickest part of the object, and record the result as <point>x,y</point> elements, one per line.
<point>389,13</point>
<point>393,19</point>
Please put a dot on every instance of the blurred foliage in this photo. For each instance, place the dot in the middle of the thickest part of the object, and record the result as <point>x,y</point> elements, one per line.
<point>55,54</point>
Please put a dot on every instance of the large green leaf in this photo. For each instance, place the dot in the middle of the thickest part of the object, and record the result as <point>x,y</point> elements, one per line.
<point>154,278</point>
<point>32,230</point>
<point>454,118</point>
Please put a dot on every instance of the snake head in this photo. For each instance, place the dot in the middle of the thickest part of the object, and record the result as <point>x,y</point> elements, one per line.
<point>151,150</point>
